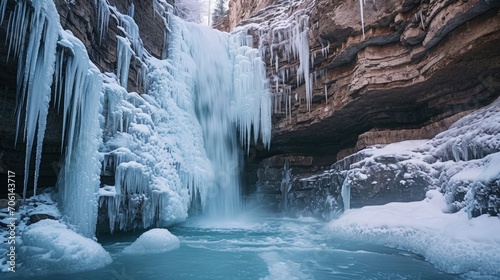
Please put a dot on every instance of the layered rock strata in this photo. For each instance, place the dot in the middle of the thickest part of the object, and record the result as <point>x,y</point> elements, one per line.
<point>412,69</point>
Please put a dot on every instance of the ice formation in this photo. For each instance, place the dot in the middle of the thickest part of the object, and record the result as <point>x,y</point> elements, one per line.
<point>78,181</point>
<point>361,12</point>
<point>176,147</point>
<point>449,241</point>
<point>284,37</point>
<point>35,72</point>
<point>153,241</point>
<point>103,13</point>
<point>173,148</point>
<point>50,247</point>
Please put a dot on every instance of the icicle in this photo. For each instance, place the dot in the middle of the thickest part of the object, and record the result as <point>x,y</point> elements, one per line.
<point>131,10</point>
<point>36,70</point>
<point>362,17</point>
<point>78,187</point>
<point>3,6</point>
<point>276,63</point>
<point>346,193</point>
<point>123,64</point>
<point>326,94</point>
<point>103,13</point>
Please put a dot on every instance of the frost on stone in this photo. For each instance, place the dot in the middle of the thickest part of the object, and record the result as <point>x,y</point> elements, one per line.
<point>157,240</point>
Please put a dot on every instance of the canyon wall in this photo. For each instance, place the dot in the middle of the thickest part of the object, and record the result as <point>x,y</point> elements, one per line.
<point>409,72</point>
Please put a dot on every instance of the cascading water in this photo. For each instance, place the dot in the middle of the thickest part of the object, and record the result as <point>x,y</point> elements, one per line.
<point>231,92</point>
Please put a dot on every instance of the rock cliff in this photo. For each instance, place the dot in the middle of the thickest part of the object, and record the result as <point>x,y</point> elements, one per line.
<point>398,70</point>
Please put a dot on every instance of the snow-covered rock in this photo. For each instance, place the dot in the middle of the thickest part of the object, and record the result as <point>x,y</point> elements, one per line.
<point>49,247</point>
<point>157,240</point>
<point>451,242</point>
<point>463,162</point>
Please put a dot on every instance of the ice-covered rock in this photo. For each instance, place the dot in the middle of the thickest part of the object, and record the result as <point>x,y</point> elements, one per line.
<point>157,240</point>
<point>451,242</point>
<point>463,162</point>
<point>49,246</point>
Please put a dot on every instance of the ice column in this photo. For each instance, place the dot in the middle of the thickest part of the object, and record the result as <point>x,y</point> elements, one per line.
<point>78,182</point>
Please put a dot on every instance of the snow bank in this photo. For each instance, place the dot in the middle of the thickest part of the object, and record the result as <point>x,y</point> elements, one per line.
<point>451,242</point>
<point>50,247</point>
<point>157,240</point>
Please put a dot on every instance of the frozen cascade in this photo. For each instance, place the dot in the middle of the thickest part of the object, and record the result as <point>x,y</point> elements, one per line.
<point>78,181</point>
<point>79,91</point>
<point>168,150</point>
<point>231,92</point>
<point>177,146</point>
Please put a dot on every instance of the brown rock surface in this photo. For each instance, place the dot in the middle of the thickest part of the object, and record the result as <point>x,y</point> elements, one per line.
<point>419,64</point>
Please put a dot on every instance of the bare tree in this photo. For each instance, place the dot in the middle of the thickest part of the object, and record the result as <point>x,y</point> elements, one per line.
<point>189,10</point>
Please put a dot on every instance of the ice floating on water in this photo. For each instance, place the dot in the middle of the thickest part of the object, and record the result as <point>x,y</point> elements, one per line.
<point>451,242</point>
<point>157,240</point>
<point>50,247</point>
<point>280,269</point>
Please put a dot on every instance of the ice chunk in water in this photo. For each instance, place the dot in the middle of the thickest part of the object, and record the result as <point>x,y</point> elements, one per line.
<point>157,240</point>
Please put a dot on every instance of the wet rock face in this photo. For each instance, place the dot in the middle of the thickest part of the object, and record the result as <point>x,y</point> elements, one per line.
<point>273,180</point>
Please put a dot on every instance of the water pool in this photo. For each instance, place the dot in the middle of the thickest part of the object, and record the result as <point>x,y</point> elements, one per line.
<point>265,248</point>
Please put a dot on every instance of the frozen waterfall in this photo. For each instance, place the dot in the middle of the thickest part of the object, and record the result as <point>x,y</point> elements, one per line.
<point>175,147</point>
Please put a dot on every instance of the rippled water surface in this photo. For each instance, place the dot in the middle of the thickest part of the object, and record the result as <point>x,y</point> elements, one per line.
<point>267,248</point>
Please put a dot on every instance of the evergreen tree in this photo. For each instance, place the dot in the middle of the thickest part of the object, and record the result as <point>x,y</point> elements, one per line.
<point>219,11</point>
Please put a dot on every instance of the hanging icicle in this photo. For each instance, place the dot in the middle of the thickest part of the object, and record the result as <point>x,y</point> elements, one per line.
<point>35,72</point>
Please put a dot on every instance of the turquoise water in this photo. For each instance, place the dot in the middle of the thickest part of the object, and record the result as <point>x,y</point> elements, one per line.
<point>264,248</point>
